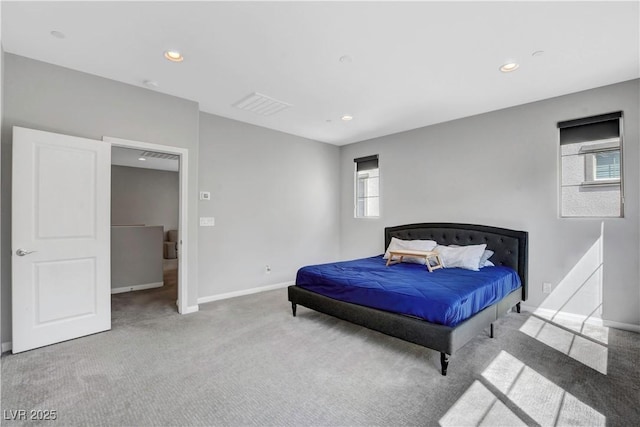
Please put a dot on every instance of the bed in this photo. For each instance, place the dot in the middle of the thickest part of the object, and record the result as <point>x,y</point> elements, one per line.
<point>510,252</point>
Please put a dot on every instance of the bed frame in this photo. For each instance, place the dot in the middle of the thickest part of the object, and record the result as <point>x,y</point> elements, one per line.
<point>510,249</point>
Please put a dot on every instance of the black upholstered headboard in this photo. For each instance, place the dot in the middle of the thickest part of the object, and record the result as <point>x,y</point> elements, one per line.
<point>510,246</point>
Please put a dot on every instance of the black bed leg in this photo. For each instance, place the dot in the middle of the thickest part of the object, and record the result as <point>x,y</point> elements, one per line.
<point>293,308</point>
<point>491,331</point>
<point>518,307</point>
<point>444,362</point>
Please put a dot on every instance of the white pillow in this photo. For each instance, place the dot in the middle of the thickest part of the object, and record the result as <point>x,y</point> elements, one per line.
<point>484,259</point>
<point>411,245</point>
<point>467,257</point>
<point>488,253</point>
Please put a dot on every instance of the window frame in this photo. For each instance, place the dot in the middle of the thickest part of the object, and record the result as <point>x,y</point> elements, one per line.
<point>595,183</point>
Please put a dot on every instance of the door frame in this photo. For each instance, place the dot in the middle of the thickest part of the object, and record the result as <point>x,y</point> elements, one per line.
<point>183,211</point>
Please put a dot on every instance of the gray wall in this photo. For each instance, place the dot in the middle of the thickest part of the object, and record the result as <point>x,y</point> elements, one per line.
<point>136,256</point>
<point>55,99</point>
<point>274,200</point>
<point>144,196</point>
<point>502,169</point>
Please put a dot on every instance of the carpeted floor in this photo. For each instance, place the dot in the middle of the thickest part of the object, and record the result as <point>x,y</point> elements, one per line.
<point>247,361</point>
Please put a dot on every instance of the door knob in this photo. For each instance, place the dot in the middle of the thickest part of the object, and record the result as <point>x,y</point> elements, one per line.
<point>23,252</point>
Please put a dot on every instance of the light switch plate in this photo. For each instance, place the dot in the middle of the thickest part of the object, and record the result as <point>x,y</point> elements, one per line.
<point>207,221</point>
<point>205,195</point>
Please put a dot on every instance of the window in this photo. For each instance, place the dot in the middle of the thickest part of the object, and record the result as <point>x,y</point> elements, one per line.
<point>606,166</point>
<point>367,187</point>
<point>591,167</point>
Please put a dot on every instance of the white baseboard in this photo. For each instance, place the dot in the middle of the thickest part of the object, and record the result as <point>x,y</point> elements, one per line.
<point>6,346</point>
<point>561,315</point>
<point>625,326</point>
<point>211,298</point>
<point>191,309</point>
<point>121,289</point>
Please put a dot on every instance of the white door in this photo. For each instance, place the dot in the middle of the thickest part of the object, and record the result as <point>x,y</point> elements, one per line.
<point>61,214</point>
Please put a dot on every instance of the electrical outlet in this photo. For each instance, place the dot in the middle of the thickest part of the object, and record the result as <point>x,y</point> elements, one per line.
<point>546,288</point>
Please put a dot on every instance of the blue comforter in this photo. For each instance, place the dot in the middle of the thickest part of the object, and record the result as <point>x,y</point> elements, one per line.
<point>445,296</point>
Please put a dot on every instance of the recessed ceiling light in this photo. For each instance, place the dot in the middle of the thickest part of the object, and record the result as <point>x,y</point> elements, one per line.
<point>151,83</point>
<point>509,67</point>
<point>538,53</point>
<point>347,117</point>
<point>173,56</point>
<point>142,159</point>
<point>57,34</point>
<point>346,59</point>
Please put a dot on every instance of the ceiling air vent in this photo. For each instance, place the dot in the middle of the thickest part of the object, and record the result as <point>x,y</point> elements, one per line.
<point>261,104</point>
<point>155,155</point>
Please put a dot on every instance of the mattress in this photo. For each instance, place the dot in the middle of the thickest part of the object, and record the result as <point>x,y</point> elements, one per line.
<point>446,296</point>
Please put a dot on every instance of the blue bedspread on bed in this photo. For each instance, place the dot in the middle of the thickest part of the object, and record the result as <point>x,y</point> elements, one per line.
<point>445,296</point>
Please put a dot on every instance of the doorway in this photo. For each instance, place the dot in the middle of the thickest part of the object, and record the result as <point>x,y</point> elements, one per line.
<point>181,249</point>
<point>144,232</point>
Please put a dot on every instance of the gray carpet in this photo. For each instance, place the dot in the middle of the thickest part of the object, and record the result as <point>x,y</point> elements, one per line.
<point>247,361</point>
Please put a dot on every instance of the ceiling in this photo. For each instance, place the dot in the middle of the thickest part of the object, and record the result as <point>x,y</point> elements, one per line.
<point>404,64</point>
